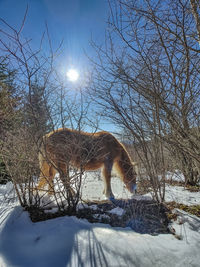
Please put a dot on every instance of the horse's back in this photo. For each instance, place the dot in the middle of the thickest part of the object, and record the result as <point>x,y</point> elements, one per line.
<point>92,149</point>
<point>65,135</point>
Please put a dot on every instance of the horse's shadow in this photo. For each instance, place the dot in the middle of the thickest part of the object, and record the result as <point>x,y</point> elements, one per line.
<point>142,214</point>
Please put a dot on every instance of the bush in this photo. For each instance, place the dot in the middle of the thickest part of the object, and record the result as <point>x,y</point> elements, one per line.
<point>4,176</point>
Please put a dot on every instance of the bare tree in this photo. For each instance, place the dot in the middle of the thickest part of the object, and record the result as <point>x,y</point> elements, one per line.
<point>47,104</point>
<point>147,79</point>
<point>195,5</point>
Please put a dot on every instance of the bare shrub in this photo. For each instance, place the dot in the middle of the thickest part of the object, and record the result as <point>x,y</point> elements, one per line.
<point>20,157</point>
<point>20,154</point>
<point>148,81</point>
<point>45,104</point>
<point>147,150</point>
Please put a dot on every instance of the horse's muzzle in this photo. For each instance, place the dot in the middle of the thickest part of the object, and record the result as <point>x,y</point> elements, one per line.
<point>134,188</point>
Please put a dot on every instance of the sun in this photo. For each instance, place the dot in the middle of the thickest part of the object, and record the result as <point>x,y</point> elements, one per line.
<point>72,75</point>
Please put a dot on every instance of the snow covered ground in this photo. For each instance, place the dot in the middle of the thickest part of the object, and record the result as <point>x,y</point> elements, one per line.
<point>93,187</point>
<point>181,195</point>
<point>68,241</point>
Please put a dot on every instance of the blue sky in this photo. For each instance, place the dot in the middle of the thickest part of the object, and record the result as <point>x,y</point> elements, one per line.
<point>73,21</point>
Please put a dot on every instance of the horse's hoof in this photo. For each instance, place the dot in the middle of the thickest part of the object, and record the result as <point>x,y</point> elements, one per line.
<point>111,198</point>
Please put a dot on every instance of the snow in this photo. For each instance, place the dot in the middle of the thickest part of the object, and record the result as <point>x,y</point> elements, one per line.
<point>68,241</point>
<point>175,176</point>
<point>119,211</point>
<point>93,188</point>
<point>181,195</point>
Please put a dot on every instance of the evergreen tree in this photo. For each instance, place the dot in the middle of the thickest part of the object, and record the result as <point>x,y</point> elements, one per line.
<point>37,117</point>
<point>9,111</point>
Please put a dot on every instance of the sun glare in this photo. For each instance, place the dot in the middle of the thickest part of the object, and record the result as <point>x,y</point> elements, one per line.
<point>72,75</point>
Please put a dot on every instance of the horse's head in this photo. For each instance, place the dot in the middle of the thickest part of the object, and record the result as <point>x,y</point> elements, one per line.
<point>130,179</point>
<point>131,185</point>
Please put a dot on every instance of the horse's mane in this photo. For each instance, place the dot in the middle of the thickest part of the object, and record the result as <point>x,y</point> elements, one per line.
<point>73,131</point>
<point>124,164</point>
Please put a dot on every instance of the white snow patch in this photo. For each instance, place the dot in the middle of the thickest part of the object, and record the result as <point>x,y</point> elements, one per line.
<point>93,185</point>
<point>53,210</point>
<point>181,195</point>
<point>175,176</point>
<point>101,216</point>
<point>93,207</point>
<point>81,206</point>
<point>142,197</point>
<point>118,211</point>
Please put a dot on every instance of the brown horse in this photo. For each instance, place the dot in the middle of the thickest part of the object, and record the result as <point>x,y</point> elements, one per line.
<point>90,151</point>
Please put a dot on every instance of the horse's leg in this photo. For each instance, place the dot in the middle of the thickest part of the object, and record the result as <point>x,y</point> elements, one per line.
<point>52,173</point>
<point>106,173</point>
<point>44,174</point>
<point>65,177</point>
<point>47,174</point>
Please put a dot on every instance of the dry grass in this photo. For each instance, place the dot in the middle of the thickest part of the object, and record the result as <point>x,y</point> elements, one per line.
<point>193,209</point>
